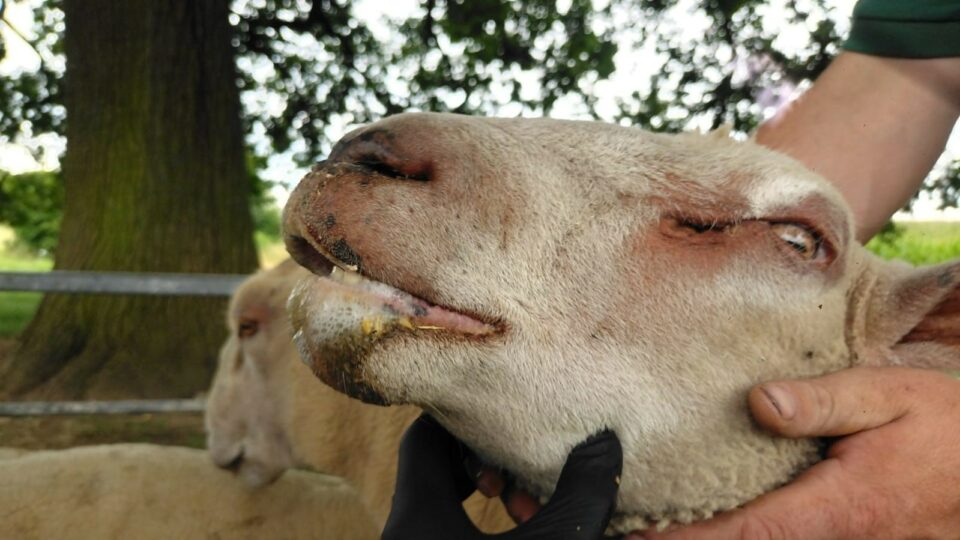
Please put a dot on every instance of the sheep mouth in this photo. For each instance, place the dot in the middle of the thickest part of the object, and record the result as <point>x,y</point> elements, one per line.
<point>397,306</point>
<point>376,308</point>
<point>339,318</point>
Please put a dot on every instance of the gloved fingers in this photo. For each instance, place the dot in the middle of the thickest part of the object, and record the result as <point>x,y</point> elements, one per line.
<point>437,458</point>
<point>431,484</point>
<point>583,502</point>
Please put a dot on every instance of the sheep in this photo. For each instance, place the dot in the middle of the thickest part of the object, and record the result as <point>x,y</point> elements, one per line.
<point>531,282</point>
<point>266,413</point>
<point>7,452</point>
<point>146,491</point>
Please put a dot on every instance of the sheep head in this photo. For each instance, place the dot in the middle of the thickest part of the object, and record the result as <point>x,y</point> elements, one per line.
<point>251,398</point>
<point>531,282</point>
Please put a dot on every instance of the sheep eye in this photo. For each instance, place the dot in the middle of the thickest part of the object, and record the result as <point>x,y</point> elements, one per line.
<point>801,239</point>
<point>247,327</point>
<point>701,227</point>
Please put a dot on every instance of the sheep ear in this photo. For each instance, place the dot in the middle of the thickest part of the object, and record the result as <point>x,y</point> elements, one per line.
<point>910,316</point>
<point>722,131</point>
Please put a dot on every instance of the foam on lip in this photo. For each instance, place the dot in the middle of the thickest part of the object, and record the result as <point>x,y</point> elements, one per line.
<point>350,309</point>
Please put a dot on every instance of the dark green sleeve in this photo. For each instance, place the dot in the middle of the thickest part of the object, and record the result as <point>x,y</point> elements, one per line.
<point>906,28</point>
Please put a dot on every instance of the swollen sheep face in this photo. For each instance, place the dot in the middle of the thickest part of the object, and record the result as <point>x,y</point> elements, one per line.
<point>531,282</point>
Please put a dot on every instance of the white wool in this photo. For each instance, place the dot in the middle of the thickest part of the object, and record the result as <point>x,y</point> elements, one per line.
<point>149,492</point>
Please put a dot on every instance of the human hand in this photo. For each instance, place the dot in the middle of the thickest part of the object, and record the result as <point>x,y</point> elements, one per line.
<point>897,474</point>
<point>432,482</point>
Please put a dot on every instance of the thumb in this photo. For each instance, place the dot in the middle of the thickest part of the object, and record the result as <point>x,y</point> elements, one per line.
<point>836,404</point>
<point>586,492</point>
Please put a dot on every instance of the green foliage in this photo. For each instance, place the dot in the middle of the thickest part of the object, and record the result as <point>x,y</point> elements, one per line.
<point>263,207</point>
<point>32,204</point>
<point>16,311</point>
<point>947,185</point>
<point>31,102</point>
<point>266,218</point>
<point>327,66</point>
<point>715,62</point>
<point>919,243</point>
<point>462,48</point>
<point>17,308</point>
<point>735,70</point>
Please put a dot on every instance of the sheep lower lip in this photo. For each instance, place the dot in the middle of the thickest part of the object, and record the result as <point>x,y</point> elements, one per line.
<point>353,303</point>
<point>338,321</point>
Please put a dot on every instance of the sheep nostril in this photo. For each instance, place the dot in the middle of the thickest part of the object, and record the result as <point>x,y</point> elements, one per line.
<point>381,167</point>
<point>307,255</point>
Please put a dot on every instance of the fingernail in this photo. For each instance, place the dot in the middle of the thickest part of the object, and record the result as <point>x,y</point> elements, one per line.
<point>781,400</point>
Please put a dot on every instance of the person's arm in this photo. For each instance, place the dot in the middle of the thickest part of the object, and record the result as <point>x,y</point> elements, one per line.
<point>873,127</point>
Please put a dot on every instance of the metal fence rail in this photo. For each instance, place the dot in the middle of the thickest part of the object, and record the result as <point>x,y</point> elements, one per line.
<point>64,281</point>
<point>131,406</point>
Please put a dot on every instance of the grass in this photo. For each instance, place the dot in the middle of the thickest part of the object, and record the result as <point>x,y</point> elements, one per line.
<point>16,308</point>
<point>920,242</point>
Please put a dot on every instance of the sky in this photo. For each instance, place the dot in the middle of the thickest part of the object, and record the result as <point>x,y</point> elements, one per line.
<point>631,66</point>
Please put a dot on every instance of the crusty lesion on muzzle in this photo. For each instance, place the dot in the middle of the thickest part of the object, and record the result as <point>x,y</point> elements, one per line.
<point>340,366</point>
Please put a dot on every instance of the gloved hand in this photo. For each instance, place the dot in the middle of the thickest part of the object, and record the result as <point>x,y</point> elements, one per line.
<point>432,482</point>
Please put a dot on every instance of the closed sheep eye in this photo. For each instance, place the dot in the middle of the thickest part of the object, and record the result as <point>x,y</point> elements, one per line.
<point>807,243</point>
<point>700,227</point>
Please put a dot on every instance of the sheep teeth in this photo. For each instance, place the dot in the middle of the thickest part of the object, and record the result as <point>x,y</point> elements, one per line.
<point>347,277</point>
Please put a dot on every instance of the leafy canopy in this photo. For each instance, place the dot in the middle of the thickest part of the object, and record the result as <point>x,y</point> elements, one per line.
<point>307,70</point>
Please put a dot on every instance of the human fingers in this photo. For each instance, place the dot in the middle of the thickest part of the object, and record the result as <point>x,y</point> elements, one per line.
<point>840,403</point>
<point>490,481</point>
<point>520,505</point>
<point>431,485</point>
<point>897,480</point>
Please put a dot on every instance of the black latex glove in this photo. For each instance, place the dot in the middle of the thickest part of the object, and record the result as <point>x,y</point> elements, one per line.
<point>432,483</point>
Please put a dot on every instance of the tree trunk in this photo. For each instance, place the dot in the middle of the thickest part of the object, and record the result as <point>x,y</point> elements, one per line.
<point>155,181</point>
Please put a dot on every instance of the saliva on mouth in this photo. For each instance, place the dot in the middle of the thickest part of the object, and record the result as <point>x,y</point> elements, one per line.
<point>346,312</point>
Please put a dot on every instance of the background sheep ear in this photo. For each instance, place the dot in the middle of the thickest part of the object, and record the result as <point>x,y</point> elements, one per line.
<point>722,131</point>
<point>910,316</point>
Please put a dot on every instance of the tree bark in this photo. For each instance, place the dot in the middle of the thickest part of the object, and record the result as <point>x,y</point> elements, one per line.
<point>155,181</point>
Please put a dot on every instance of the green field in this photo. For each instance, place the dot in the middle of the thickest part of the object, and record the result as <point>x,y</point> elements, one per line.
<point>16,308</point>
<point>918,243</point>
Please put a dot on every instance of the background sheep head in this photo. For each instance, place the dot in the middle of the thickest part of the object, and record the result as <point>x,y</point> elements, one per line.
<point>531,282</point>
<point>250,406</point>
<point>268,413</point>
